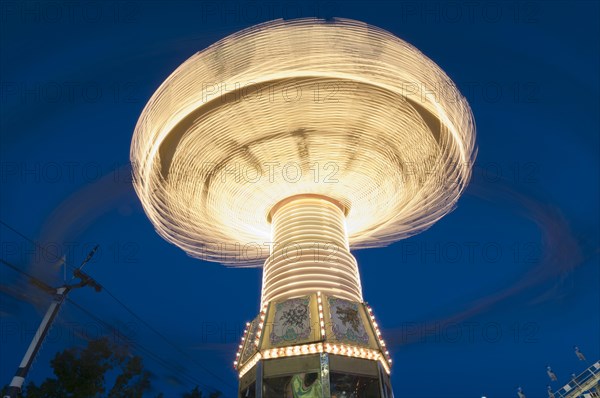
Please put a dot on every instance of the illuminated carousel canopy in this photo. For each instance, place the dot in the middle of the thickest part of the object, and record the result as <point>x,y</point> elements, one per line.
<point>337,109</point>
<point>287,144</point>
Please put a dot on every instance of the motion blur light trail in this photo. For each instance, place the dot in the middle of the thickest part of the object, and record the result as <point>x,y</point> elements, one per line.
<point>79,211</point>
<point>338,109</point>
<point>212,153</point>
<point>562,253</point>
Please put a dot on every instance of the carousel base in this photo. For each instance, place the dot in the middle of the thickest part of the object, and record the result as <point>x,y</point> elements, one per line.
<point>314,346</point>
<point>316,376</point>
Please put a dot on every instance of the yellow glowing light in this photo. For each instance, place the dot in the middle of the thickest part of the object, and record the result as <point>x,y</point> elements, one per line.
<point>339,109</point>
<point>243,370</point>
<point>290,142</point>
<point>320,259</point>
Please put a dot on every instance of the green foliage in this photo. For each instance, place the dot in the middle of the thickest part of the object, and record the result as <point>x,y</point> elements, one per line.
<point>195,393</point>
<point>81,373</point>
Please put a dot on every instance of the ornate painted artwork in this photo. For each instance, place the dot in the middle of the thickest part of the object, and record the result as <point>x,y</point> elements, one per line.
<point>346,322</point>
<point>249,346</point>
<point>292,321</point>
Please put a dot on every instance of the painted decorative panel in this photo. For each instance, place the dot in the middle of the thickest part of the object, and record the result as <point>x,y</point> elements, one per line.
<point>291,323</point>
<point>346,321</point>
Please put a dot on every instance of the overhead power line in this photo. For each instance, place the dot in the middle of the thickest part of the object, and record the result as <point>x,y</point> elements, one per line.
<point>127,308</point>
<point>192,381</point>
<point>34,281</point>
<point>45,287</point>
<point>59,297</point>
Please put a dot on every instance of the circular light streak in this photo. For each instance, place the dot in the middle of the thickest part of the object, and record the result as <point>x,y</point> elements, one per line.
<point>338,109</point>
<point>310,252</point>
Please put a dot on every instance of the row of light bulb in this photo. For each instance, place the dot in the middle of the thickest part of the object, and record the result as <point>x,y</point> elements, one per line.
<point>306,349</point>
<point>378,334</point>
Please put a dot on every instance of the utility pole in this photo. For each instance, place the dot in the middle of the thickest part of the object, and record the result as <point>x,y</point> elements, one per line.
<point>60,294</point>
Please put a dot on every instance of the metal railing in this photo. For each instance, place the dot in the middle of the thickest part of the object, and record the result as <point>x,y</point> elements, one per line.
<point>581,385</point>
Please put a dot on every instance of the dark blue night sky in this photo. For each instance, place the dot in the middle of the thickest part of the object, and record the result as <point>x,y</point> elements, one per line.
<point>475,306</point>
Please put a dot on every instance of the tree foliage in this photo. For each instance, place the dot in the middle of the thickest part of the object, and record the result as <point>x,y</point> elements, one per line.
<point>102,369</point>
<point>83,373</point>
<point>197,393</point>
